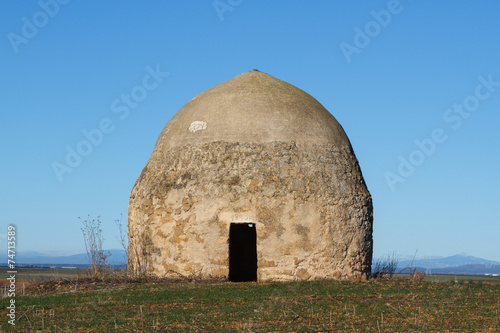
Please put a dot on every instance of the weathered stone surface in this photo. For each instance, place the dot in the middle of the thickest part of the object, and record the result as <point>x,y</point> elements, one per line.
<point>304,193</point>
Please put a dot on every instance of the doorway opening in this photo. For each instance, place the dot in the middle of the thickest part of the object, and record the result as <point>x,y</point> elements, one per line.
<point>242,252</point>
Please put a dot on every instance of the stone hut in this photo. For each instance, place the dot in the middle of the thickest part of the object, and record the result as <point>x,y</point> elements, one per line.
<point>252,179</point>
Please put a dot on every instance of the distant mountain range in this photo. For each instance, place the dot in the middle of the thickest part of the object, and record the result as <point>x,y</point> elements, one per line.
<point>117,257</point>
<point>453,261</point>
<point>457,264</point>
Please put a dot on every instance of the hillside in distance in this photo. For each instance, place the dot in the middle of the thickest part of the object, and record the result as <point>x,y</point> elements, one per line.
<point>446,262</point>
<point>456,264</point>
<point>117,257</point>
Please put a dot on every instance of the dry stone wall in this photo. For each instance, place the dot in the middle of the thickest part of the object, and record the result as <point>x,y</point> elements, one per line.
<point>310,206</point>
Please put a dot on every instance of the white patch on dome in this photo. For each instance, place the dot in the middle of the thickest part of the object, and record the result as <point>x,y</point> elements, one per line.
<point>197,126</point>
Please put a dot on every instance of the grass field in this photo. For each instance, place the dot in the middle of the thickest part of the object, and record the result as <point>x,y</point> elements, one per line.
<point>396,305</point>
<point>37,274</point>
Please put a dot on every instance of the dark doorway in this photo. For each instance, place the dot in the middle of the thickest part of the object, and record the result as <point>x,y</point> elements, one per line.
<point>242,252</point>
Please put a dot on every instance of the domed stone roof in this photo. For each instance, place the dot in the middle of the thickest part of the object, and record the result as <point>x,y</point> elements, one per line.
<point>253,107</point>
<point>252,179</point>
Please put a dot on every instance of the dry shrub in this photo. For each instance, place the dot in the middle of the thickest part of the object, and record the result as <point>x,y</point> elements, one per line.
<point>386,266</point>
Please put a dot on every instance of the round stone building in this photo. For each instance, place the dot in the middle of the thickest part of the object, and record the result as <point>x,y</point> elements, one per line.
<point>252,179</point>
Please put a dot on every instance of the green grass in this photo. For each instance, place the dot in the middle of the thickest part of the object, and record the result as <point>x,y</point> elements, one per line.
<point>397,305</point>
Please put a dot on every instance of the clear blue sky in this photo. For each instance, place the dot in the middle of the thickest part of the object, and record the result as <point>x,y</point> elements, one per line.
<point>390,72</point>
